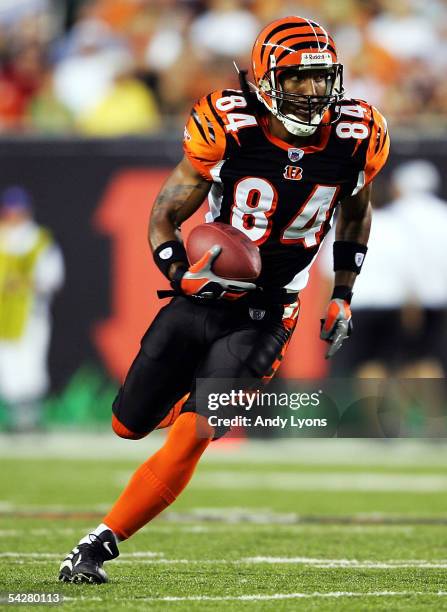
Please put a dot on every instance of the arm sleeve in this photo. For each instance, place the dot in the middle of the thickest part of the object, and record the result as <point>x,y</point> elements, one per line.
<point>378,148</point>
<point>204,140</point>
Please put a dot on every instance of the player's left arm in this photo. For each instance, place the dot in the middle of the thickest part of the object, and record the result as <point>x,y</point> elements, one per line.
<point>352,233</point>
<point>350,246</point>
<point>353,228</point>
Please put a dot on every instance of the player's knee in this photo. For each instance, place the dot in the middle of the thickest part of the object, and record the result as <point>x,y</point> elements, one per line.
<point>123,432</point>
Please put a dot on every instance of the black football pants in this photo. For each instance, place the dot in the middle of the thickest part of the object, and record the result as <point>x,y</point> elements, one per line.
<point>192,339</point>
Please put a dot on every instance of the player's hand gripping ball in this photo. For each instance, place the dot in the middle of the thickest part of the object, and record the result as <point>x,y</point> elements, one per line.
<point>223,261</point>
<point>336,326</point>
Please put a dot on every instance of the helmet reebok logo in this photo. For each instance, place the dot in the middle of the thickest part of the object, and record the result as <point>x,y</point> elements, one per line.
<point>316,58</point>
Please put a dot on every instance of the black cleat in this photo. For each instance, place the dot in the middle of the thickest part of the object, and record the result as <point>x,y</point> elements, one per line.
<point>84,562</point>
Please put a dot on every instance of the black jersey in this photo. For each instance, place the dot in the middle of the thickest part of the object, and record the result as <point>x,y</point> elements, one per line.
<point>282,197</point>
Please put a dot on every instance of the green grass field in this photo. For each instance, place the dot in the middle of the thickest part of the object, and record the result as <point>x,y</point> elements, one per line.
<point>315,525</point>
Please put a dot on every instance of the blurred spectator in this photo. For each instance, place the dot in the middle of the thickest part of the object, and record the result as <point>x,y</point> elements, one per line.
<point>393,52</point>
<point>118,14</point>
<point>225,28</point>
<point>127,108</point>
<point>95,81</point>
<point>31,270</point>
<point>20,80</point>
<point>46,114</point>
<point>422,217</point>
<point>375,347</point>
<point>11,105</point>
<point>166,61</point>
<point>29,21</point>
<point>405,31</point>
<point>87,72</point>
<point>400,298</point>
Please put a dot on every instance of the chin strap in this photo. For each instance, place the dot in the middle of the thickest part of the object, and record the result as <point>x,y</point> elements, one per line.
<point>297,129</point>
<point>289,121</point>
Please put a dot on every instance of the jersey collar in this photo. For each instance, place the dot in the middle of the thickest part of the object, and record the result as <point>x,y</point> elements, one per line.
<point>322,133</point>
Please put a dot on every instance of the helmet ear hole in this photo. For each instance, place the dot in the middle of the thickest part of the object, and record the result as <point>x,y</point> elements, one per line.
<point>264,85</point>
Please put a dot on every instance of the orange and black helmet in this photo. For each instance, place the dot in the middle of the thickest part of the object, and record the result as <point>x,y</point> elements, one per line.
<point>300,44</point>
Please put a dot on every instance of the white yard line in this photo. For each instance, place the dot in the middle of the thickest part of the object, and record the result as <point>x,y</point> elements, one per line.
<point>327,481</point>
<point>267,516</point>
<point>150,557</point>
<point>39,555</point>
<point>83,598</point>
<point>202,529</point>
<point>231,515</point>
<point>274,596</point>
<point>345,451</point>
<point>323,565</point>
<point>199,529</point>
<point>350,563</point>
<point>8,506</point>
<point>307,528</point>
<point>15,533</point>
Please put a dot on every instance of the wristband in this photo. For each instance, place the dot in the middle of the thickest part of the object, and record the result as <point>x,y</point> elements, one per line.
<point>349,256</point>
<point>168,253</point>
<point>176,282</point>
<point>342,292</point>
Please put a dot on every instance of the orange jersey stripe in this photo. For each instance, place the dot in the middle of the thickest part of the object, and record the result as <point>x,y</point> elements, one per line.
<point>204,139</point>
<point>379,147</point>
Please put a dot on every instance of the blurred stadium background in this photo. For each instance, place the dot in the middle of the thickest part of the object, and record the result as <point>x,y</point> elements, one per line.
<point>94,94</point>
<point>93,98</point>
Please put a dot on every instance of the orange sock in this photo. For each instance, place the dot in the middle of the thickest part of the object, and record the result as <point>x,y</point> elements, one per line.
<point>160,479</point>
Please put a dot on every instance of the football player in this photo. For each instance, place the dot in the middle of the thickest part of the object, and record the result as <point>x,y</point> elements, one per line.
<point>275,159</point>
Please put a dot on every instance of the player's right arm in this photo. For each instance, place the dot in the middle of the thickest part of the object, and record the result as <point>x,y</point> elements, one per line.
<point>204,144</point>
<point>181,195</point>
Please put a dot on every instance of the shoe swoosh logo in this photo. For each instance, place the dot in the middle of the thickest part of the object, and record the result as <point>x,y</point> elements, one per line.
<point>78,561</point>
<point>67,563</point>
<point>107,547</point>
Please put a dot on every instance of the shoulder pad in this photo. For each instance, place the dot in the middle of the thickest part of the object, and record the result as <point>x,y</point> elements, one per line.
<point>204,139</point>
<point>379,146</point>
<point>367,127</point>
<point>214,120</point>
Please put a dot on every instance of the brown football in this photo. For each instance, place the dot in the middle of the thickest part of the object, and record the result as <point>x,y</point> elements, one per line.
<point>240,258</point>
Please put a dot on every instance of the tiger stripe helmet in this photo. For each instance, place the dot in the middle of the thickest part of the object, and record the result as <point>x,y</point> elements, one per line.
<point>300,44</point>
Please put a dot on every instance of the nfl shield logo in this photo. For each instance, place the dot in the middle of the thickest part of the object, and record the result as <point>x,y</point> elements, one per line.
<point>295,154</point>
